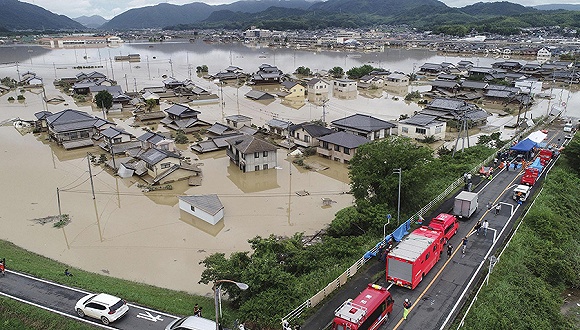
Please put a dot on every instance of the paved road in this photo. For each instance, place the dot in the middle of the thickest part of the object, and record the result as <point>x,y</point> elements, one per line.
<point>61,300</point>
<point>437,300</point>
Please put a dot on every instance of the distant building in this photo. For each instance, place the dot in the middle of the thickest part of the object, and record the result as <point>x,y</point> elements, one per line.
<point>344,85</point>
<point>364,125</point>
<point>339,146</point>
<point>317,86</point>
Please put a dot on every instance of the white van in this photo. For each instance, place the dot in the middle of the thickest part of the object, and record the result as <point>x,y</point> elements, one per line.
<point>191,323</point>
<point>568,127</point>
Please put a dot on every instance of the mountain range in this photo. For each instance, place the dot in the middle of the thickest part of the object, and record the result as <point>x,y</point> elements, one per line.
<point>287,14</point>
<point>92,22</point>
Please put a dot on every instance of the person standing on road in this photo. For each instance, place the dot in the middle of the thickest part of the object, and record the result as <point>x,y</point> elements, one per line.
<point>488,206</point>
<point>497,209</point>
<point>449,250</point>
<point>464,243</point>
<point>406,307</point>
<point>485,225</point>
<point>477,227</point>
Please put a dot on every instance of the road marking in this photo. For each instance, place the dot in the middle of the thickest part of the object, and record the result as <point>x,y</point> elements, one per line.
<point>149,317</point>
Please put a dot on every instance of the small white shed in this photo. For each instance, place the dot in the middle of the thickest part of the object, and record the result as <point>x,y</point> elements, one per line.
<point>208,208</point>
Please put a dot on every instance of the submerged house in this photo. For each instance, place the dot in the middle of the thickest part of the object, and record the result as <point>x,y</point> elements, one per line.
<point>208,208</point>
<point>364,125</point>
<point>251,154</point>
<point>267,74</point>
<point>306,134</point>
<point>74,129</point>
<point>421,126</point>
<point>180,117</point>
<point>340,146</point>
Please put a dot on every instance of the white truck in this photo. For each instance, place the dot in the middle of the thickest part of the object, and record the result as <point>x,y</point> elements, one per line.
<point>465,204</point>
<point>521,192</point>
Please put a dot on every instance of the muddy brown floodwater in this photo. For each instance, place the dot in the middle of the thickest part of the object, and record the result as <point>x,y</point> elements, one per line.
<point>145,237</point>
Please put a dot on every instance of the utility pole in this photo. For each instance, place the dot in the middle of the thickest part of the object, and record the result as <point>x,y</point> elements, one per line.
<point>126,83</point>
<point>58,202</point>
<point>324,112</point>
<point>398,171</point>
<point>112,72</point>
<point>135,81</point>
<point>91,174</point>
<point>171,64</point>
<point>148,71</point>
<point>18,71</point>
<point>54,67</point>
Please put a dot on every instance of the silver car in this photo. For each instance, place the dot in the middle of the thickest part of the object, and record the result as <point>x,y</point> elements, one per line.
<point>102,306</point>
<point>191,323</point>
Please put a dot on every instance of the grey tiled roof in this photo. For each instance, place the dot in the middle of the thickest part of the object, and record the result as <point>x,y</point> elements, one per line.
<point>218,128</point>
<point>112,132</point>
<point>42,114</point>
<point>312,129</point>
<point>364,123</point>
<point>70,119</point>
<point>238,118</point>
<point>444,83</point>
<point>113,90</point>
<point>421,120</point>
<point>247,144</point>
<point>181,111</point>
<point>154,156</point>
<point>210,204</point>
<point>279,123</point>
<point>344,139</point>
<point>474,84</point>
<point>151,137</point>
<point>258,95</point>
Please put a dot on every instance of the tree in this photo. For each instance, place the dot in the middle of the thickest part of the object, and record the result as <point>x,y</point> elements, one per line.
<point>181,138</point>
<point>104,99</point>
<point>303,71</point>
<point>150,104</point>
<point>572,153</point>
<point>336,72</point>
<point>8,82</point>
<point>356,73</point>
<point>372,178</point>
<point>202,68</point>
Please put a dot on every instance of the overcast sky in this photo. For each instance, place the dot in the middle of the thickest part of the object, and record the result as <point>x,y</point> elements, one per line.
<point>110,8</point>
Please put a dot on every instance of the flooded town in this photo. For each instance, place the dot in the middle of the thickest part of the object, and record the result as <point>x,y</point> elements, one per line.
<point>266,150</point>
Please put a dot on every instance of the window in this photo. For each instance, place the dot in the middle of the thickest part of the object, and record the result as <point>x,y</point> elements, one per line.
<point>265,167</point>
<point>346,151</point>
<point>117,140</point>
<point>192,208</point>
<point>307,138</point>
<point>420,131</point>
<point>298,136</point>
<point>405,129</point>
<point>256,155</point>
<point>336,147</point>
<point>325,145</point>
<point>165,165</point>
<point>377,135</point>
<point>257,168</point>
<point>427,256</point>
<point>438,129</point>
<point>265,154</point>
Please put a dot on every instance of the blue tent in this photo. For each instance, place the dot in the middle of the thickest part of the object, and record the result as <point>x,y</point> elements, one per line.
<point>537,164</point>
<point>524,146</point>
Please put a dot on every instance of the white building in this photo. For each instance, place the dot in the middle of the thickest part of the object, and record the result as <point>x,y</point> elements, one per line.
<point>421,126</point>
<point>344,85</point>
<point>208,208</point>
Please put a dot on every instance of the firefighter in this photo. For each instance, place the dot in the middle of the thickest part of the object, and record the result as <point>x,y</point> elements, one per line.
<point>406,307</point>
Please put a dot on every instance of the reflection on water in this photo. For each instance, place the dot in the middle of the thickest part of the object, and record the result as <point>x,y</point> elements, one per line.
<point>202,225</point>
<point>250,182</point>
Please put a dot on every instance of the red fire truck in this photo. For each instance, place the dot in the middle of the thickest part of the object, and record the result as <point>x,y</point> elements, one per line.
<point>545,156</point>
<point>366,312</point>
<point>414,256</point>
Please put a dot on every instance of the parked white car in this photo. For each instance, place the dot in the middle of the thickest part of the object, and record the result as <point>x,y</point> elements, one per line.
<point>191,323</point>
<point>102,306</point>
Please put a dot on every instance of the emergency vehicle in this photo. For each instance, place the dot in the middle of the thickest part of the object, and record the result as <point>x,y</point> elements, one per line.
<point>445,223</point>
<point>414,256</point>
<point>532,173</point>
<point>545,156</point>
<point>366,312</point>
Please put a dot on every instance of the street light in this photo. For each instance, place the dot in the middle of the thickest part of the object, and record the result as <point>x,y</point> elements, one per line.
<point>398,171</point>
<point>217,297</point>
